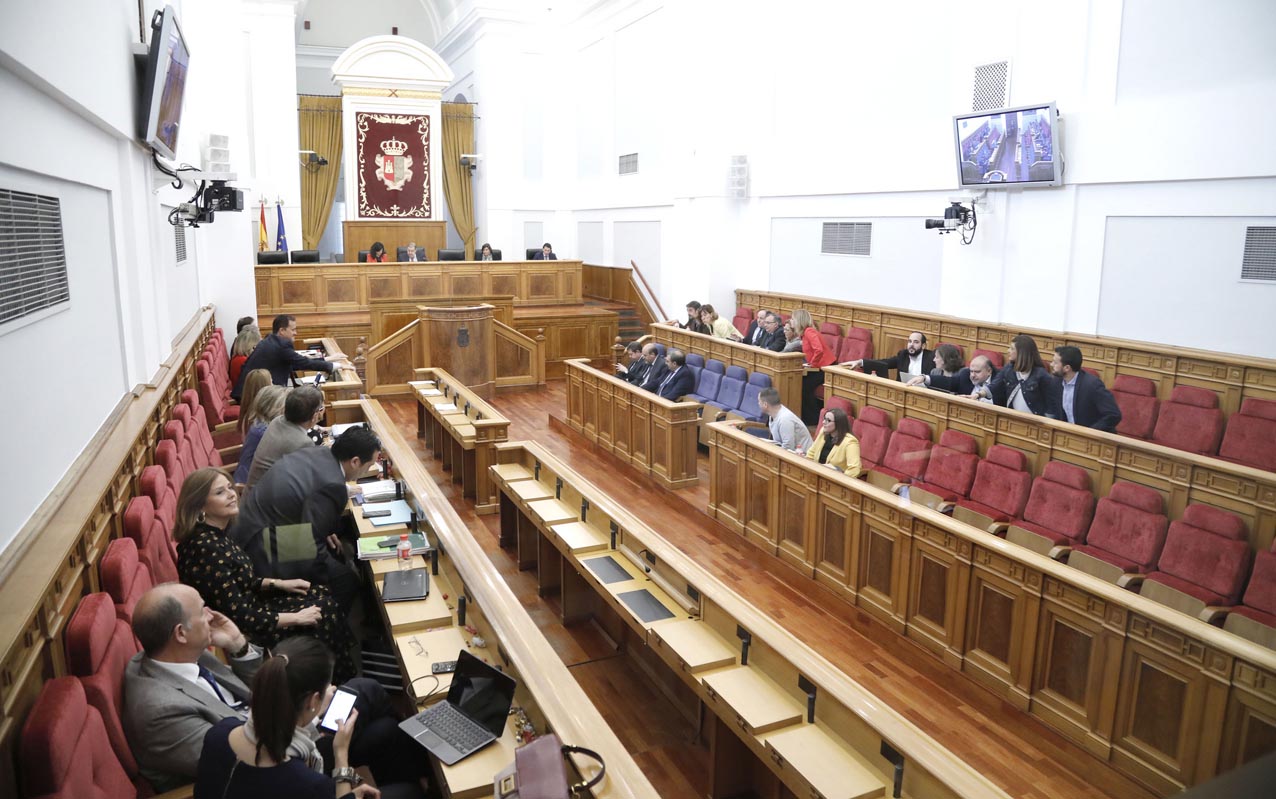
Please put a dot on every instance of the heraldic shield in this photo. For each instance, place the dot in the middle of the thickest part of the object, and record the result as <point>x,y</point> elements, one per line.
<point>394,167</point>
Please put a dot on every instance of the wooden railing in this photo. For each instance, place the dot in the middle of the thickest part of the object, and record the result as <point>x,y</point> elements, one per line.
<point>391,361</point>
<point>621,284</point>
<point>1163,697</point>
<point>462,430</point>
<point>650,433</point>
<point>784,369</point>
<point>759,734</point>
<point>1181,477</point>
<point>520,359</point>
<point>52,561</point>
<point>1233,377</point>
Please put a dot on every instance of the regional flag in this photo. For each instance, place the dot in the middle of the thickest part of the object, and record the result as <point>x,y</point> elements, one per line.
<point>261,230</point>
<point>281,239</point>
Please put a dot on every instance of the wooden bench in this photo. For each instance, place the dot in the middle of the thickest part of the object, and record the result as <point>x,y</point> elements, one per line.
<point>608,566</point>
<point>1162,696</point>
<point>1181,477</point>
<point>652,434</point>
<point>461,429</point>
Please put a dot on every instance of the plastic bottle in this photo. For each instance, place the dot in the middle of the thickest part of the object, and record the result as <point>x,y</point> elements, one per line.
<point>405,552</point>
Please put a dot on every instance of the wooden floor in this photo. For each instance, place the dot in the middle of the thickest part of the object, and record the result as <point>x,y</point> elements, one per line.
<point>1017,752</point>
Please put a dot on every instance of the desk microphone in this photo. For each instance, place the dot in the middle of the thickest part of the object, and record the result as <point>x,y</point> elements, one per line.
<point>460,611</point>
<point>808,687</point>
<point>746,638</point>
<point>434,561</point>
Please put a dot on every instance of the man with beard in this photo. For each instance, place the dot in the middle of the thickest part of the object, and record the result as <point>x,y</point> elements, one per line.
<point>913,361</point>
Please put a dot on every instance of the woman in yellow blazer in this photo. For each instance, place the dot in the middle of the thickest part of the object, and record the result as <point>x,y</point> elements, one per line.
<point>835,446</point>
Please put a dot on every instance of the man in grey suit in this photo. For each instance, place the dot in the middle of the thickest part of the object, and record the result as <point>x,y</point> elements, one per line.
<point>175,690</point>
<point>302,410</point>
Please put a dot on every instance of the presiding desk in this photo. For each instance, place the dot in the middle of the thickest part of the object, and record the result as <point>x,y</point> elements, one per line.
<point>606,565</point>
<point>654,435</point>
<point>1181,477</point>
<point>1166,698</point>
<point>429,630</point>
<point>462,430</point>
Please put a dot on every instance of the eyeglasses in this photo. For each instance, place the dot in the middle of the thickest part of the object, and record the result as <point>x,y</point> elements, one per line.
<point>828,419</point>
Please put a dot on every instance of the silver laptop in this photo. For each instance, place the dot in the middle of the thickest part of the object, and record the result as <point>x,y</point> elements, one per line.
<point>472,716</point>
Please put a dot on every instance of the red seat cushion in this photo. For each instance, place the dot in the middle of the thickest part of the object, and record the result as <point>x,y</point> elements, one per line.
<point>908,452</point>
<point>1001,484</point>
<point>1136,397</point>
<point>998,359</point>
<point>156,485</point>
<point>1207,555</point>
<point>1061,504</point>
<point>839,402</point>
<point>65,750</point>
<point>1190,420</point>
<point>1250,438</point>
<point>1259,602</point>
<point>872,429</point>
<point>951,470</point>
<point>858,345</point>
<point>152,540</point>
<point>1129,528</point>
<point>124,577</point>
<point>98,647</point>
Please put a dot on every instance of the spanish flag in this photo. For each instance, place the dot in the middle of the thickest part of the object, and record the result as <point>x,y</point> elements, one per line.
<point>261,230</point>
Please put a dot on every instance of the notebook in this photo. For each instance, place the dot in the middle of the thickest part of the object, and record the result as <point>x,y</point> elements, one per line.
<point>406,586</point>
<point>472,716</point>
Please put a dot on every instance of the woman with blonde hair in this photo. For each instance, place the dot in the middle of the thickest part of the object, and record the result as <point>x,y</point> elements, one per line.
<point>718,327</point>
<point>264,609</point>
<point>817,357</point>
<point>254,382</point>
<point>245,343</point>
<point>268,404</point>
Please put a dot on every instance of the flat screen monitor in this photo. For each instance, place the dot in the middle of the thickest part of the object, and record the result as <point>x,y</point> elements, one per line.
<point>164,84</point>
<point>1009,147</point>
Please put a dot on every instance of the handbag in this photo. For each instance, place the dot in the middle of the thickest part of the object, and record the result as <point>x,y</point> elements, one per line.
<point>539,771</point>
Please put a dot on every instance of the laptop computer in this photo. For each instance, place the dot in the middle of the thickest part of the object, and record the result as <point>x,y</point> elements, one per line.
<point>472,716</point>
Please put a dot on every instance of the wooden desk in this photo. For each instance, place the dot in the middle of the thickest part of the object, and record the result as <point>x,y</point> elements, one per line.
<point>344,383</point>
<point>751,704</point>
<point>648,432</point>
<point>1075,651</point>
<point>463,439</point>
<point>546,690</point>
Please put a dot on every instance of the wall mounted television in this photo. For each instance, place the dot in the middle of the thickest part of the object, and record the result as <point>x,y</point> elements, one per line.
<point>1009,147</point>
<point>164,84</point>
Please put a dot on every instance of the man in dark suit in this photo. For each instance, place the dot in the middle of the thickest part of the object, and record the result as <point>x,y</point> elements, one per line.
<point>656,368</point>
<point>974,381</point>
<point>175,690</point>
<point>546,253</point>
<point>275,354</point>
<point>774,339</point>
<point>757,330</point>
<point>679,381</point>
<point>913,361</point>
<point>1086,401</point>
<point>637,367</point>
<point>308,485</point>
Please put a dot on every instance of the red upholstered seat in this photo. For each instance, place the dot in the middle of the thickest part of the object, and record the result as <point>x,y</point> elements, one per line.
<point>66,753</point>
<point>839,402</point>
<point>1250,438</point>
<point>1136,397</point>
<point>1061,504</point>
<point>198,429</point>
<point>744,316</point>
<point>1259,601</point>
<point>1206,555</point>
<point>98,648</point>
<point>873,430</point>
<point>175,431</point>
<point>998,359</point>
<point>155,484</point>
<point>170,471</point>
<point>153,547</point>
<point>908,452</point>
<point>199,453</point>
<point>1190,420</point>
<point>124,577</point>
<point>951,471</point>
<point>1129,528</point>
<point>830,332</point>
<point>858,345</point>
<point>218,408</point>
<point>1001,486</point>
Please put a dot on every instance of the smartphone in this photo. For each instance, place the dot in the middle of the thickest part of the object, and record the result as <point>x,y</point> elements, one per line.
<point>338,710</point>
<point>443,667</point>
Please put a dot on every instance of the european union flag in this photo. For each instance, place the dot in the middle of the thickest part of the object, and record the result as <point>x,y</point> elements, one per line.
<point>281,239</point>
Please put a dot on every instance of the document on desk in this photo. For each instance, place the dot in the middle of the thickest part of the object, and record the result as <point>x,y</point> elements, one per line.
<point>338,429</point>
<point>378,491</point>
<point>431,392</point>
<point>445,406</point>
<point>400,513</point>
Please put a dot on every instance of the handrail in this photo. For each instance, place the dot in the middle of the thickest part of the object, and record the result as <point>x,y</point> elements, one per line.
<point>395,339</point>
<point>535,348</point>
<point>650,295</point>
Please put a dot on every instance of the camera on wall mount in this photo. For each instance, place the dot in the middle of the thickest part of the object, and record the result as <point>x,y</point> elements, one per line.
<point>959,215</point>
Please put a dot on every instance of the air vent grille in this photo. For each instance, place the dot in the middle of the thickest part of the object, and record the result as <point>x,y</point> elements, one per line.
<point>179,242</point>
<point>629,164</point>
<point>992,86</point>
<point>1259,260</point>
<point>847,238</point>
<point>32,255</point>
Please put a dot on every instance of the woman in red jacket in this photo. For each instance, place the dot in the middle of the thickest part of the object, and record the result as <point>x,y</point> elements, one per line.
<point>817,356</point>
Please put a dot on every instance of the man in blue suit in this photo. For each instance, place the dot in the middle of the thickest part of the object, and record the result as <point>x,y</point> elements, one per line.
<point>657,368</point>
<point>680,381</point>
<point>546,253</point>
<point>1086,401</point>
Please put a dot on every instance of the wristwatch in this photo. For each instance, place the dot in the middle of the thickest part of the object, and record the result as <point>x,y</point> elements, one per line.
<point>347,774</point>
<point>244,650</point>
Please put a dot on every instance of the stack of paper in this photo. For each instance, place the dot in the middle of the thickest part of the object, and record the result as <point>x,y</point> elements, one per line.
<point>338,429</point>
<point>370,548</point>
<point>380,491</point>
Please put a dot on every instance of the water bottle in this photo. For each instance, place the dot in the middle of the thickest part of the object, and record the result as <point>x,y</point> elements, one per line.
<point>405,552</point>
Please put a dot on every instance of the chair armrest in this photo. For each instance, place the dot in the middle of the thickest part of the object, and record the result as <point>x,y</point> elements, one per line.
<point>231,454</point>
<point>998,528</point>
<point>1060,553</point>
<point>946,507</point>
<point>225,427</point>
<point>1131,582</point>
<point>1213,615</point>
<point>755,426</point>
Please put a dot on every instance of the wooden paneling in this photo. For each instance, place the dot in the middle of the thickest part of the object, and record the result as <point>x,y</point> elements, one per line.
<point>784,369</point>
<point>660,436</point>
<point>1233,377</point>
<point>360,235</point>
<point>1162,696</point>
<point>585,332</point>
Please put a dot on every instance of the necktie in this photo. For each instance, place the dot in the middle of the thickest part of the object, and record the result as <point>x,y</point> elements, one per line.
<point>206,675</point>
<point>666,382</point>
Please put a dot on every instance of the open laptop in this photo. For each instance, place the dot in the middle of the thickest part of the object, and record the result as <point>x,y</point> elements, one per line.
<point>472,716</point>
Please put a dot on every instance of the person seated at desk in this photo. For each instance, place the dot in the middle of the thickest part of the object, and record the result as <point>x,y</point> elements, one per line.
<point>485,252</point>
<point>716,325</point>
<point>908,363</point>
<point>409,255</point>
<point>175,690</point>
<point>1024,384</point>
<point>268,404</point>
<point>656,368</point>
<point>792,341</point>
<point>786,429</point>
<point>308,486</point>
<point>973,382</point>
<point>245,343</point>
<point>277,355</point>
<point>245,321</point>
<point>637,367</point>
<point>773,336</point>
<point>376,253</point>
<point>680,381</point>
<point>254,381</point>
<point>757,329</point>
<point>303,409</point>
<point>546,253</point>
<point>693,322</point>
<point>947,362</point>
<point>1084,399</point>
<point>835,447</point>
<point>266,609</point>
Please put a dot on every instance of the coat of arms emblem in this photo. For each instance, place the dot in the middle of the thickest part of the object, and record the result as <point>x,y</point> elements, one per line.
<point>393,166</point>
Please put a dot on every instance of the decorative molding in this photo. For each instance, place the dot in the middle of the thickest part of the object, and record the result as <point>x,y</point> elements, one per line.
<point>406,94</point>
<point>392,62</point>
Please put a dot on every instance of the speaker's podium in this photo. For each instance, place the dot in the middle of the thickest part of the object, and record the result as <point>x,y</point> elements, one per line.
<point>460,341</point>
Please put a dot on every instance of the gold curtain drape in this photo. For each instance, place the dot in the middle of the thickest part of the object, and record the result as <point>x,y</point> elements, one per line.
<point>458,138</point>
<point>320,119</point>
